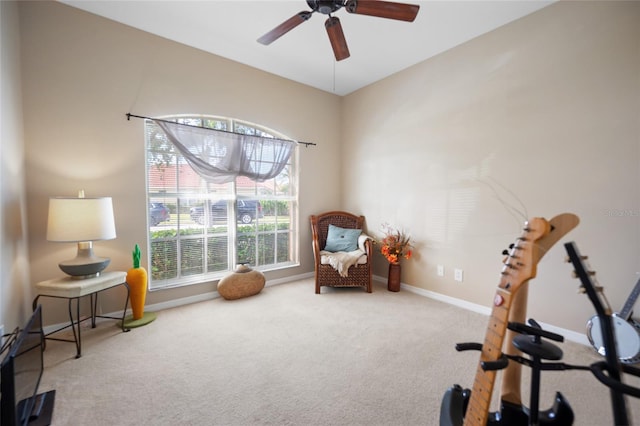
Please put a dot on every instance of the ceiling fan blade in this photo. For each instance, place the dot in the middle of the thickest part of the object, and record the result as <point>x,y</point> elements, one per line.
<point>285,27</point>
<point>383,9</point>
<point>336,37</point>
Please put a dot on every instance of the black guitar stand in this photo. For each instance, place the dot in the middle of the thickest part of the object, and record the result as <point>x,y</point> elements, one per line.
<point>530,342</point>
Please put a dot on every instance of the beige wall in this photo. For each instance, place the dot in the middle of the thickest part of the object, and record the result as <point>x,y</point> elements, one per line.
<point>83,73</point>
<point>540,117</point>
<point>15,291</point>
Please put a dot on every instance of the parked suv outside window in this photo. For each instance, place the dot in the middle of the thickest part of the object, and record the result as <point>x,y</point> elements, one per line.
<point>247,211</point>
<point>158,213</point>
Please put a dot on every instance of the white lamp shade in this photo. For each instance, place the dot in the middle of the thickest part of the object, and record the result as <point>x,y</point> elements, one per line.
<point>80,219</point>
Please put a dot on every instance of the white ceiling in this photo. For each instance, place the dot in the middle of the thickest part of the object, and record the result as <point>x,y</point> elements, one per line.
<point>379,47</point>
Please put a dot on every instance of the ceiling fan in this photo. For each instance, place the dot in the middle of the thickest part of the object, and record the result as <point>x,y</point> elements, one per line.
<point>378,8</point>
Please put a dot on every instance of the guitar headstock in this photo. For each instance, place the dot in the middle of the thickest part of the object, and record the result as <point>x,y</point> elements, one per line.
<point>583,271</point>
<point>520,264</point>
<point>560,226</point>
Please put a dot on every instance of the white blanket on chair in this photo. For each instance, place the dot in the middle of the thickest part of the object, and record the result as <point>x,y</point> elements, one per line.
<point>342,260</point>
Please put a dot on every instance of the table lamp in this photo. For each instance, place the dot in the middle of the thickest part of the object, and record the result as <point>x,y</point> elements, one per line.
<point>81,220</point>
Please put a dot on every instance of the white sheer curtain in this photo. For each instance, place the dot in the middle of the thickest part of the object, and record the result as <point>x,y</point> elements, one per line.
<point>220,157</point>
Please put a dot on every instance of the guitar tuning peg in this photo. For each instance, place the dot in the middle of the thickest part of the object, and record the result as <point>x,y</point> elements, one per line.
<point>574,274</point>
<point>512,245</point>
<point>581,290</point>
<point>568,259</point>
<point>505,252</point>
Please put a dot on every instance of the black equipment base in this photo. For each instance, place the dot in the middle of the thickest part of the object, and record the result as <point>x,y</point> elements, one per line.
<point>42,412</point>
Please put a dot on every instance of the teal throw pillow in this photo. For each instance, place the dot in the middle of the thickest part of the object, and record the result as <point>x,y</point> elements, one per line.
<point>340,239</point>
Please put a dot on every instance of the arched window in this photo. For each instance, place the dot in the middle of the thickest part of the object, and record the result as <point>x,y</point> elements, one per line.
<point>198,230</point>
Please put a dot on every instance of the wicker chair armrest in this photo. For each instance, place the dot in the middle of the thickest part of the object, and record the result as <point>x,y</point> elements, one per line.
<point>365,243</point>
<point>316,250</point>
<point>315,237</point>
<point>368,249</point>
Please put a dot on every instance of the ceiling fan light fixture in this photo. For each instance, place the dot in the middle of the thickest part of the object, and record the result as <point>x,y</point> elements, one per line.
<point>325,7</point>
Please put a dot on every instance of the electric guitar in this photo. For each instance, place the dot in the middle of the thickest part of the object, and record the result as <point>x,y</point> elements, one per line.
<point>510,395</point>
<point>626,329</point>
<point>612,365</point>
<point>472,408</point>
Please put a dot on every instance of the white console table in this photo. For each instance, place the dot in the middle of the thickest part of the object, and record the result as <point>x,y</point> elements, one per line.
<point>74,289</point>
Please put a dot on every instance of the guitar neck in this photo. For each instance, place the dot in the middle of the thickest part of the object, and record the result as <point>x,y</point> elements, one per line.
<point>518,268</point>
<point>631,300</point>
<point>478,409</point>
<point>511,376</point>
<point>606,327</point>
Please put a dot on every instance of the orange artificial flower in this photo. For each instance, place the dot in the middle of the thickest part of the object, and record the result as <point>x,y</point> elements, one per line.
<point>395,244</point>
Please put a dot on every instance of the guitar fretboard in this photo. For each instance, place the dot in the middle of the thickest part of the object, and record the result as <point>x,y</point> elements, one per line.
<point>478,409</point>
<point>631,300</point>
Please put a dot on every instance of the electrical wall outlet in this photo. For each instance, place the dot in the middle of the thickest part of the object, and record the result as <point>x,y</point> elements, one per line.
<point>441,270</point>
<point>457,274</point>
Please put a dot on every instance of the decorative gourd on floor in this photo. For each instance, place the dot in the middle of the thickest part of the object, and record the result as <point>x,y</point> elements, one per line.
<point>137,280</point>
<point>243,282</point>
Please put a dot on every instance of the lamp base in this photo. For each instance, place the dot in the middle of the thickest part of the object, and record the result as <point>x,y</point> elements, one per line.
<point>85,264</point>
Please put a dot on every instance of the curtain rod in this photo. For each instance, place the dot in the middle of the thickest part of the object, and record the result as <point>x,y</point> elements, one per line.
<point>129,115</point>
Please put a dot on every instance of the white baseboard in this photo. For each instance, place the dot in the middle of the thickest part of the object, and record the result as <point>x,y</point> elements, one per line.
<point>485,310</point>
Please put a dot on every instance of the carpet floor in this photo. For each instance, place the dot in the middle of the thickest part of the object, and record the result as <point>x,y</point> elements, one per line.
<point>290,357</point>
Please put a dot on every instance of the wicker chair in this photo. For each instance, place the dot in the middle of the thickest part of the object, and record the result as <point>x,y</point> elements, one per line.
<point>358,275</point>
